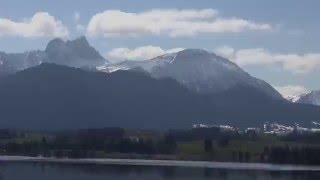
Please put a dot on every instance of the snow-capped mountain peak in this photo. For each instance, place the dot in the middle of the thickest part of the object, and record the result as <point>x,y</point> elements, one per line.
<point>197,69</point>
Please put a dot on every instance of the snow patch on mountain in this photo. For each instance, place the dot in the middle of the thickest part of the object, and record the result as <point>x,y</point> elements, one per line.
<point>311,97</point>
<point>292,98</point>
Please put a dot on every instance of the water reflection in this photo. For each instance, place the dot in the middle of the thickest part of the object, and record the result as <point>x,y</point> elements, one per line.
<point>54,171</point>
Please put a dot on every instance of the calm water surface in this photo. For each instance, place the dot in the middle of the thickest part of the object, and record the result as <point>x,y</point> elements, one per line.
<point>58,171</point>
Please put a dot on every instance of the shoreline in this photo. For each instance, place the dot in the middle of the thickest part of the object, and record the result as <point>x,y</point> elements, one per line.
<point>168,163</point>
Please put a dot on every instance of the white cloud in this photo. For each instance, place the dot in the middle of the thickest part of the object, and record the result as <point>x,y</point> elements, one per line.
<point>258,57</point>
<point>170,22</point>
<point>40,25</point>
<point>174,50</point>
<point>140,53</point>
<point>291,90</point>
<point>225,51</point>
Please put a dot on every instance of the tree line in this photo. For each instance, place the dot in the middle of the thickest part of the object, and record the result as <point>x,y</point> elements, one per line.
<point>83,143</point>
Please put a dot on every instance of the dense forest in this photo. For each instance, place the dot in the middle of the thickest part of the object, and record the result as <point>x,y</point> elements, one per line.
<point>209,144</point>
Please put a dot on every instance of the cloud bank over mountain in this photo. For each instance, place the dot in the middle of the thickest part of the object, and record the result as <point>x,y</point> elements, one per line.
<point>293,62</point>
<point>139,53</point>
<point>170,22</point>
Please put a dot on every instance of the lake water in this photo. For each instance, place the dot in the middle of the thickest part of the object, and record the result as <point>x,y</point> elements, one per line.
<point>67,171</point>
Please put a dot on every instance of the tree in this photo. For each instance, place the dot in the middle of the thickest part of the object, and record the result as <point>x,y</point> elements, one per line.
<point>44,147</point>
<point>247,156</point>
<point>234,156</point>
<point>240,156</point>
<point>224,141</point>
<point>208,145</point>
<point>168,145</point>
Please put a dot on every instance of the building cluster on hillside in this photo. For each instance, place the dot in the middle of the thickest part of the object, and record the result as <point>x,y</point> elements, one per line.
<point>268,128</point>
<point>275,128</point>
<point>221,127</point>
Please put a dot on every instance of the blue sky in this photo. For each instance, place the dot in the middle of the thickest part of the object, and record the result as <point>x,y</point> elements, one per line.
<point>277,41</point>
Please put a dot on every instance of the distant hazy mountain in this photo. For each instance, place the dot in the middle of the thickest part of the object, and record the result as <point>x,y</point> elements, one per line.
<point>310,98</point>
<point>76,53</point>
<point>198,70</point>
<point>52,96</point>
<point>13,62</point>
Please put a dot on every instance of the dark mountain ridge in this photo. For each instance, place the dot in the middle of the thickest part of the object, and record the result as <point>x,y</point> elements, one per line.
<point>52,96</point>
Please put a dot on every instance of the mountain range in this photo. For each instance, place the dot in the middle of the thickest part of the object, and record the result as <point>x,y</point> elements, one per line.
<point>197,69</point>
<point>70,85</point>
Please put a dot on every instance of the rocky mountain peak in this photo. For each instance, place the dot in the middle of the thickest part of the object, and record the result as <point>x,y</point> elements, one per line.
<point>80,42</point>
<point>75,53</point>
<point>54,43</point>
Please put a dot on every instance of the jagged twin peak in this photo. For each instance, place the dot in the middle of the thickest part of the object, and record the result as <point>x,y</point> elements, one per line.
<point>75,53</point>
<point>197,69</point>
